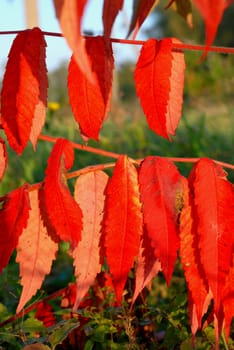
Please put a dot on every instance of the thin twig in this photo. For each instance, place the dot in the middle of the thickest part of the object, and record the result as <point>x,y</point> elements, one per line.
<point>176,46</point>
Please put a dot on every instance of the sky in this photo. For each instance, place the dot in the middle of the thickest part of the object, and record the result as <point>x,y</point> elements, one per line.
<point>12,17</point>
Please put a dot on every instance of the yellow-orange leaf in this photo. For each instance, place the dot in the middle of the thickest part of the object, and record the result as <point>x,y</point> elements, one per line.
<point>35,252</point>
<point>89,194</point>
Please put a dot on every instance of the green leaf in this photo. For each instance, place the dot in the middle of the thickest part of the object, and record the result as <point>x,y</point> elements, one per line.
<point>32,325</point>
<point>89,345</point>
<point>9,339</point>
<point>62,330</point>
<point>3,312</point>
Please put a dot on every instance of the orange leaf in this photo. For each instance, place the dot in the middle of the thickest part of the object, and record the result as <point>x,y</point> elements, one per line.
<point>62,210</point>
<point>91,102</point>
<point>13,218</point>
<point>3,157</point>
<point>35,253</point>
<point>147,266</point>
<point>70,14</point>
<point>122,222</point>
<point>24,87</point>
<point>215,224</point>
<point>141,9</point>
<point>89,194</point>
<point>159,79</point>
<point>161,188</point>
<point>190,258</point>
<point>212,12</point>
<point>109,13</point>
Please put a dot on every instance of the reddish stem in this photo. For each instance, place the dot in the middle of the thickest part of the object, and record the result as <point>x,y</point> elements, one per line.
<point>176,46</point>
<point>82,147</point>
<point>89,169</point>
<point>116,156</point>
<point>33,306</point>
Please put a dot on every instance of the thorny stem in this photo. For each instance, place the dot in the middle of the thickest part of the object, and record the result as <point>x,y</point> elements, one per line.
<point>176,46</point>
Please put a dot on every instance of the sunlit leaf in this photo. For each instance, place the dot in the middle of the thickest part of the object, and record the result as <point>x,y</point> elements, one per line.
<point>161,189</point>
<point>91,102</point>
<point>63,212</point>
<point>215,225</point>
<point>70,15</point>
<point>24,88</point>
<point>159,79</point>
<point>35,252</point>
<point>89,194</point>
<point>122,222</point>
<point>13,219</point>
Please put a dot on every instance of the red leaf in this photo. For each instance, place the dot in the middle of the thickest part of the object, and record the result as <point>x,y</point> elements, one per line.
<point>89,194</point>
<point>228,299</point>
<point>69,14</point>
<point>109,13</point>
<point>190,259</point>
<point>159,78</point>
<point>24,87</point>
<point>212,12</point>
<point>141,9</point>
<point>122,222</point>
<point>214,203</point>
<point>35,253</point>
<point>161,189</point>
<point>40,109</point>
<point>147,266</point>
<point>13,218</point>
<point>3,157</point>
<point>45,314</point>
<point>63,211</point>
<point>91,102</point>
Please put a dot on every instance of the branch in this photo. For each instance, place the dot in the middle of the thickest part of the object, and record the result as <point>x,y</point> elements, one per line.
<point>117,155</point>
<point>82,147</point>
<point>176,46</point>
<point>89,169</point>
<point>33,306</point>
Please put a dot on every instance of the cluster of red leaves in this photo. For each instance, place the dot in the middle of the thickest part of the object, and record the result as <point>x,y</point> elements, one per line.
<point>141,215</point>
<point>159,74</point>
